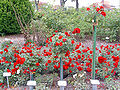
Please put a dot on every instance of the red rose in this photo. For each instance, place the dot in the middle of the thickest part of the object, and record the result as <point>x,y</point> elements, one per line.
<point>31,54</point>
<point>60,37</point>
<point>57,44</point>
<point>8,70</point>
<point>66,33</point>
<point>37,64</point>
<point>56,31</point>
<point>11,42</point>
<point>103,13</point>
<point>78,51</point>
<point>70,71</point>
<point>55,66</point>
<point>46,64</point>
<point>0,84</point>
<point>96,70</point>
<point>47,41</point>
<point>87,64</point>
<point>91,52</point>
<point>101,7</point>
<point>80,68</point>
<point>5,50</point>
<point>115,59</point>
<point>106,76</point>
<point>76,30</point>
<point>50,39</point>
<point>64,39</point>
<point>72,65</point>
<point>88,9</point>
<point>77,46</point>
<point>72,41</point>
<point>1,52</point>
<point>89,69</point>
<point>79,56</point>
<point>101,59</point>
<point>97,9</point>
<point>60,43</point>
<point>49,61</point>
<point>115,64</point>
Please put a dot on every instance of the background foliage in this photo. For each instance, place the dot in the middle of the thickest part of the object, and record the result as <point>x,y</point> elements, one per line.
<point>8,21</point>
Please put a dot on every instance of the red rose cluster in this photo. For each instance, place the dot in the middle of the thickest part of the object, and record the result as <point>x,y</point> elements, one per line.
<point>100,10</point>
<point>76,30</point>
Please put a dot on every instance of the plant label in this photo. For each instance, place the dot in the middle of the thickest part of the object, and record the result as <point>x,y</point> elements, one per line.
<point>6,74</point>
<point>18,71</point>
<point>31,83</point>
<point>62,83</point>
<point>94,81</point>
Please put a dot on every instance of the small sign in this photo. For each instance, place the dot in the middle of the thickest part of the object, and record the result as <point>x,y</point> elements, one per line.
<point>74,76</point>
<point>62,83</point>
<point>31,83</point>
<point>6,74</point>
<point>18,71</point>
<point>94,81</point>
<point>107,38</point>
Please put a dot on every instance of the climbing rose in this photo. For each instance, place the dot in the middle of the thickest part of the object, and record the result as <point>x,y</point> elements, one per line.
<point>97,9</point>
<point>76,30</point>
<point>103,13</point>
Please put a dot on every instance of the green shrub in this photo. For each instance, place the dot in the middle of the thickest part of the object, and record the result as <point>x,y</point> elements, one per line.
<point>109,26</point>
<point>8,21</point>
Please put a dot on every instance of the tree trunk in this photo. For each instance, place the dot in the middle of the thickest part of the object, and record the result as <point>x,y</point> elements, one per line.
<point>77,5</point>
<point>62,3</point>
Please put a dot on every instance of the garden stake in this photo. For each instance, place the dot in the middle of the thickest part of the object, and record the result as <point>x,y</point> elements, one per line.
<point>31,78</point>
<point>7,81</point>
<point>61,72</point>
<point>94,86</point>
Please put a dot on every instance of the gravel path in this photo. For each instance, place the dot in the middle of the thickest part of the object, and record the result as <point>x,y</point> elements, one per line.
<point>19,39</point>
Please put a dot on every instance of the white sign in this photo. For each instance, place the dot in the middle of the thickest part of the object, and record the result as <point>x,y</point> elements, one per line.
<point>31,83</point>
<point>18,71</point>
<point>107,38</point>
<point>94,81</point>
<point>5,74</point>
<point>62,83</point>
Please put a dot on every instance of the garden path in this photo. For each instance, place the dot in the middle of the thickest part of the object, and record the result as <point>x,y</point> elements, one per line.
<point>19,40</point>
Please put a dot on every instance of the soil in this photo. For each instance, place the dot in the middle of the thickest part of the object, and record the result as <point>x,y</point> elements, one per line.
<point>19,39</point>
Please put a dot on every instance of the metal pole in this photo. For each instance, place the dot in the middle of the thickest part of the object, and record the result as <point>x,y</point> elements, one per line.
<point>61,72</point>
<point>7,81</point>
<point>94,50</point>
<point>94,86</point>
<point>36,5</point>
<point>31,78</point>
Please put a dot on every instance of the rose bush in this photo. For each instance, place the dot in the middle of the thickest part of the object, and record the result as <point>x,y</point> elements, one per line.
<point>46,59</point>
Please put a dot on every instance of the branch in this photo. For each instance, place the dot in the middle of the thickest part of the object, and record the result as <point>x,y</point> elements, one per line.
<point>65,1</point>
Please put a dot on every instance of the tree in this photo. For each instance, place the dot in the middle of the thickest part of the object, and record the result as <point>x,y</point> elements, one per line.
<point>62,2</point>
<point>36,4</point>
<point>77,4</point>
